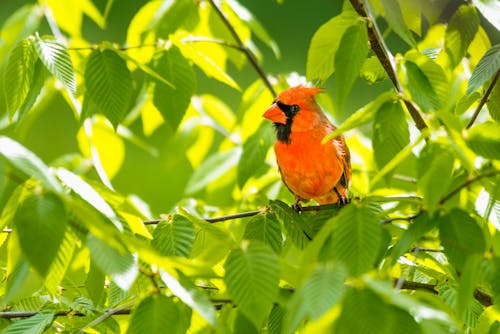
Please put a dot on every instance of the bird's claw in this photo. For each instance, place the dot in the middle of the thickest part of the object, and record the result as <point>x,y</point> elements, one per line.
<point>297,207</point>
<point>343,201</point>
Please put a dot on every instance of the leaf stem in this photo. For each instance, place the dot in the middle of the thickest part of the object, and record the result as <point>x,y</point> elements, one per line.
<point>250,56</point>
<point>386,59</point>
<point>483,100</point>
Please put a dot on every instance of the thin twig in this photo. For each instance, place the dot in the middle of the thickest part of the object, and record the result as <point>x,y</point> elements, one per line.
<point>484,99</point>
<point>466,184</point>
<point>385,57</point>
<point>393,219</point>
<point>250,56</point>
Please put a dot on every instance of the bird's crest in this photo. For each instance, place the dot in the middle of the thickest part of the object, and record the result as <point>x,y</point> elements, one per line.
<point>298,93</point>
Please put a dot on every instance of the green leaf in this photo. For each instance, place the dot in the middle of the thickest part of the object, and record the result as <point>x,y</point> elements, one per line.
<point>465,102</point>
<point>252,277</point>
<point>420,87</point>
<point>461,237</point>
<point>490,10</point>
<point>172,103</point>
<point>61,262</point>
<point>121,266</point>
<point>33,325</point>
<point>319,293</point>
<point>28,163</point>
<point>211,169</point>
<point>275,320</point>
<point>254,153</point>
<point>324,45</point>
<point>355,238</point>
<point>493,103</point>
<point>18,75</point>
<point>485,69</point>
<point>95,282</point>
<point>174,237</point>
<point>54,55</point>
<point>435,166</point>
<point>109,86</point>
<point>266,228</point>
<point>469,280</point>
<point>41,223</point>
<point>349,59</point>
<point>372,71</point>
<point>40,75</point>
<point>297,228</point>
<point>459,34</point>
<point>192,296</point>
<point>484,139</point>
<point>390,133</point>
<point>394,17</point>
<point>155,314</point>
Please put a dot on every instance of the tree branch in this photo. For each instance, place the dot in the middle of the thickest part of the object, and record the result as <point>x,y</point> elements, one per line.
<point>466,184</point>
<point>250,56</point>
<point>386,59</point>
<point>483,101</point>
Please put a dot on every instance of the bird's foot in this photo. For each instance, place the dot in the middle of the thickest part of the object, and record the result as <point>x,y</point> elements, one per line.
<point>342,200</point>
<point>297,207</point>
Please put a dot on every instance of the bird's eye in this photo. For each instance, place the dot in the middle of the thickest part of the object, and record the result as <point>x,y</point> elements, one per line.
<point>294,108</point>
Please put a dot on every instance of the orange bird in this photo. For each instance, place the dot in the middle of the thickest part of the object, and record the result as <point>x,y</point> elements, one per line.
<point>309,168</point>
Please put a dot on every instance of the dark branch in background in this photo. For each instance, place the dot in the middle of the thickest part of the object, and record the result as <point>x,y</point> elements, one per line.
<point>384,56</point>
<point>250,56</point>
<point>484,99</point>
<point>466,184</point>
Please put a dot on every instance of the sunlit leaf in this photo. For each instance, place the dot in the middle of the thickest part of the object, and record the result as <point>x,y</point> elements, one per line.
<point>41,223</point>
<point>54,55</point>
<point>252,277</point>
<point>109,86</point>
<point>484,139</point>
<point>61,262</point>
<point>372,71</point>
<point>394,17</point>
<point>174,237</point>
<point>155,314</point>
<point>460,32</point>
<point>494,103</point>
<point>33,325</point>
<point>297,228</point>
<point>95,283</point>
<point>490,10</point>
<point>265,228</point>
<point>420,87</point>
<point>485,69</point>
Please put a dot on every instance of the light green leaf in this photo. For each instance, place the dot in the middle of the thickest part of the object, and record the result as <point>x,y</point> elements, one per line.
<point>493,103</point>
<point>275,320</point>
<point>33,325</point>
<point>191,295</point>
<point>296,227</point>
<point>122,267</point>
<point>490,10</point>
<point>252,277</point>
<point>28,163</point>
<point>459,34</point>
<point>109,86</point>
<point>355,235</point>
<point>41,222</point>
<point>372,71</point>
<point>212,168</point>
<point>266,228</point>
<point>61,262</point>
<point>18,75</point>
<point>420,87</point>
<point>254,153</point>
<point>394,17</point>
<point>485,69</point>
<point>465,102</point>
<point>40,75</point>
<point>469,280</point>
<point>349,59</point>
<point>484,139</point>
<point>54,55</point>
<point>172,103</point>
<point>324,45</point>
<point>174,237</point>
<point>390,133</point>
<point>95,283</point>
<point>155,314</point>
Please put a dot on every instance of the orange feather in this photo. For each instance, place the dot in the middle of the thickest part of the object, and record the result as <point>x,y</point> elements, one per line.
<point>309,169</point>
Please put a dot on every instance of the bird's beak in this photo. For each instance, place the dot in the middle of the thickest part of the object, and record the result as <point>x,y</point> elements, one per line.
<point>275,114</point>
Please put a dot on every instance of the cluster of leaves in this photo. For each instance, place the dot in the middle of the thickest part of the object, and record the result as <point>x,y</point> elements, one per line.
<point>416,251</point>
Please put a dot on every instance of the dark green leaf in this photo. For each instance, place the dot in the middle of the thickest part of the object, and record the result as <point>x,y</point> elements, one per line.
<point>266,228</point>
<point>349,59</point>
<point>54,55</point>
<point>275,320</point>
<point>254,153</point>
<point>394,17</point>
<point>18,76</point>
<point>493,103</point>
<point>95,283</point>
<point>484,139</point>
<point>109,86</point>
<point>460,31</point>
<point>174,237</point>
<point>390,133</point>
<point>41,223</point>
<point>155,314</point>
<point>173,102</point>
<point>252,277</point>
<point>297,228</point>
<point>324,45</point>
<point>33,325</point>
<point>485,69</point>
<point>420,87</point>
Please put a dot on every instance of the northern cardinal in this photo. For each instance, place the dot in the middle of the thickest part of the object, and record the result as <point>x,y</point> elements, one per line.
<point>309,168</point>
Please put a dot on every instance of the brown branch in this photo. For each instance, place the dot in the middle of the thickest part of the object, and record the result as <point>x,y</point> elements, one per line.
<point>466,184</point>
<point>385,57</point>
<point>483,101</point>
<point>250,56</point>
